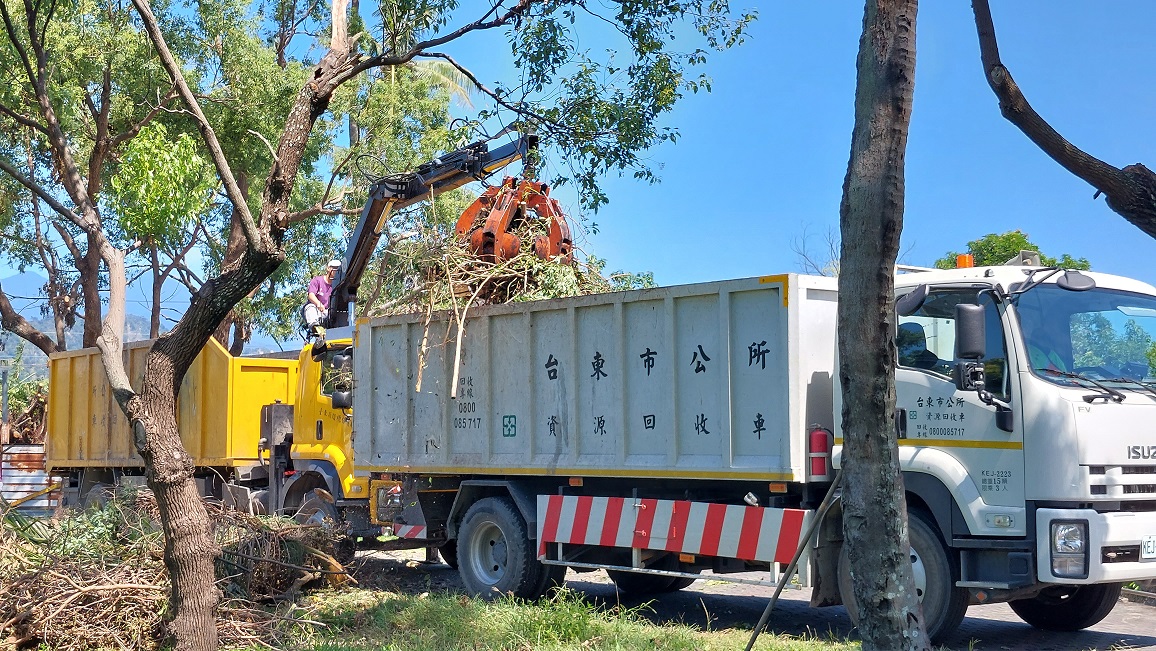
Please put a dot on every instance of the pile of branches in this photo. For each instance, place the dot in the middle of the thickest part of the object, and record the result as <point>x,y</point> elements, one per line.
<point>96,579</point>
<point>28,427</point>
<point>436,270</point>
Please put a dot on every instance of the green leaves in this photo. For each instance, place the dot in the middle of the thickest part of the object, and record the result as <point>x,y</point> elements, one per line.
<point>992,249</point>
<point>163,184</point>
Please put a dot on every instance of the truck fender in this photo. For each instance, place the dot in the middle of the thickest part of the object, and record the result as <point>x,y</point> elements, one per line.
<point>928,491</point>
<point>311,473</point>
<point>472,490</point>
<point>929,471</point>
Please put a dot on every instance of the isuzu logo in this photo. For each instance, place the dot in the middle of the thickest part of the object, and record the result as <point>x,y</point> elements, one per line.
<point>1142,451</point>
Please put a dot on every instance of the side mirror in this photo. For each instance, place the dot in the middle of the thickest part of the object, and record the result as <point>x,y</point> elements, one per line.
<point>342,399</point>
<point>1074,281</point>
<point>910,302</point>
<point>970,331</point>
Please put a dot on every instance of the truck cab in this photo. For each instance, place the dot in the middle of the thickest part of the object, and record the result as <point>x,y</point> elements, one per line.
<point>1026,432</point>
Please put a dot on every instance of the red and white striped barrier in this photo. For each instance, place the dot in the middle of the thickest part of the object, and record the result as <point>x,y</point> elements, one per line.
<point>408,531</point>
<point>731,531</point>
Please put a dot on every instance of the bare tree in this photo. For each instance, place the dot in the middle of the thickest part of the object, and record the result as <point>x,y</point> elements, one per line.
<point>871,219</point>
<point>1130,191</point>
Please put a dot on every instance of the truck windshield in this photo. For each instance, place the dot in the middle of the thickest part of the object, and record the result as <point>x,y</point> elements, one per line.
<point>1099,335</point>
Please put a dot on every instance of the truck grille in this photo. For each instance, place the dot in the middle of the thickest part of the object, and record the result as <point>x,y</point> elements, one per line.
<point>1140,488</point>
<point>1122,481</point>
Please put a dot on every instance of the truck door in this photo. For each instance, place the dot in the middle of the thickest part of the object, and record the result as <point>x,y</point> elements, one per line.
<point>951,434</point>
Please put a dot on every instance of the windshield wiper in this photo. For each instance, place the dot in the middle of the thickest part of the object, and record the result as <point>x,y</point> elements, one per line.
<point>1145,386</point>
<point>1108,392</point>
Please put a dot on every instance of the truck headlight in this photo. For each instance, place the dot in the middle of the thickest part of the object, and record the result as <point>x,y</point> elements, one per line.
<point>1068,537</point>
<point>1070,549</point>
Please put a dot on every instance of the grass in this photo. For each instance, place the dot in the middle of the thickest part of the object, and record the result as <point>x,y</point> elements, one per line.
<point>362,620</point>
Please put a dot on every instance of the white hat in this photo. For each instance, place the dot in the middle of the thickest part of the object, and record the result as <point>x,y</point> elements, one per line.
<point>334,264</point>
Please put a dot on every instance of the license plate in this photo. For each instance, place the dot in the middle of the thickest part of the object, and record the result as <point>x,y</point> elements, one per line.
<point>1148,547</point>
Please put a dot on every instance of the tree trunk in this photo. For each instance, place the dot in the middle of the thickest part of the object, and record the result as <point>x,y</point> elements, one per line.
<point>190,550</point>
<point>89,268</point>
<point>158,282</point>
<point>234,249</point>
<point>871,219</point>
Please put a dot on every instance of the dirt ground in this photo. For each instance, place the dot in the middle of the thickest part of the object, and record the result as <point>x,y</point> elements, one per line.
<point>713,604</point>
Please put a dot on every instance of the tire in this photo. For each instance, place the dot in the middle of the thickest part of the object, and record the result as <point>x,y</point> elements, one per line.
<point>944,604</point>
<point>495,554</point>
<point>553,577</point>
<point>449,553</point>
<point>98,496</point>
<point>635,584</point>
<point>316,509</point>
<point>1068,608</point>
<point>679,583</point>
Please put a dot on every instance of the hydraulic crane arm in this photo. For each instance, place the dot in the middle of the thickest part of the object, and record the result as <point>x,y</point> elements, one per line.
<point>472,162</point>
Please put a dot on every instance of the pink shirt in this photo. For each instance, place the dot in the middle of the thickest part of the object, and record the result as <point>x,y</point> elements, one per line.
<point>321,287</point>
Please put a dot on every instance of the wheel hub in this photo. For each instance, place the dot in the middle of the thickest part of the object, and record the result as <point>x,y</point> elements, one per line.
<point>489,553</point>
<point>919,573</point>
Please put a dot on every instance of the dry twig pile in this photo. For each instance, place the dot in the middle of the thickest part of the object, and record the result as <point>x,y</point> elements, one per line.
<point>28,426</point>
<point>96,579</point>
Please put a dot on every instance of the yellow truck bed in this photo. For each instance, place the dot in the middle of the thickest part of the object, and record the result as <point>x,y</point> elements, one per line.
<point>218,407</point>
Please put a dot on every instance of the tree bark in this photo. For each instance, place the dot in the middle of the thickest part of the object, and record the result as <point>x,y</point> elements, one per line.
<point>234,249</point>
<point>190,550</point>
<point>158,283</point>
<point>871,219</point>
<point>89,268</point>
<point>1130,192</point>
<point>13,322</point>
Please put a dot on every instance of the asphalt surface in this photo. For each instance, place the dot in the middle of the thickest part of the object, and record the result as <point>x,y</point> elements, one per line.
<point>714,605</point>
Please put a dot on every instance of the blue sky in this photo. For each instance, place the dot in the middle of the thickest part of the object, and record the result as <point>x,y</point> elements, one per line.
<point>762,157</point>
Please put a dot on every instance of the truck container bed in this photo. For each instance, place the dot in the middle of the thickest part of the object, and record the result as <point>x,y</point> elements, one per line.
<point>715,380</point>
<point>218,407</point>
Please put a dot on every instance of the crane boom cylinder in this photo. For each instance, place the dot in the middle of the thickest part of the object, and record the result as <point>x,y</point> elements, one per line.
<point>473,162</point>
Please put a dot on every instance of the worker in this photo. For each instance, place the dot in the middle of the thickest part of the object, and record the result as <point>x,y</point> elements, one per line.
<point>317,305</point>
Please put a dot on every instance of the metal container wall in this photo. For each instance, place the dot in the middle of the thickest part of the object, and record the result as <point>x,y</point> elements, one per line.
<point>22,476</point>
<point>716,380</point>
<point>218,407</point>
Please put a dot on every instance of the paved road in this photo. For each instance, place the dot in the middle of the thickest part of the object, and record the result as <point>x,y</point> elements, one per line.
<point>986,628</point>
<point>728,605</point>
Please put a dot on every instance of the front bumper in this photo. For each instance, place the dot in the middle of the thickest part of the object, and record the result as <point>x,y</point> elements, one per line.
<point>1113,545</point>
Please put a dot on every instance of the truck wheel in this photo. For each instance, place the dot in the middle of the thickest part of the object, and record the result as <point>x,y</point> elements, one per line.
<point>944,605</point>
<point>679,583</point>
<point>316,509</point>
<point>635,584</point>
<point>449,553</point>
<point>1068,608</point>
<point>98,496</point>
<point>495,554</point>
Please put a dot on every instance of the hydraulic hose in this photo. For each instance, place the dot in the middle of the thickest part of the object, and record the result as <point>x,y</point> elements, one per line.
<point>824,506</point>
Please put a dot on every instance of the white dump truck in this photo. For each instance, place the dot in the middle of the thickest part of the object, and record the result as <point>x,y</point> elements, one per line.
<point>662,432</point>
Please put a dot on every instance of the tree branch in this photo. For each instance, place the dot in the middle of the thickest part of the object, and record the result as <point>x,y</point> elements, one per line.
<point>517,108</point>
<point>41,192</point>
<point>19,326</point>
<point>10,28</point>
<point>20,119</point>
<point>135,129</point>
<point>1130,191</point>
<point>232,190</point>
<point>419,48</point>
